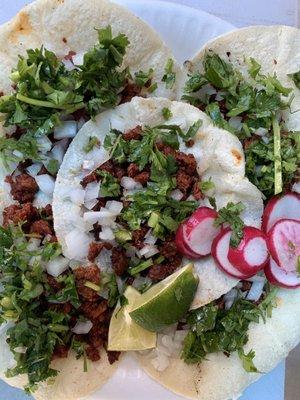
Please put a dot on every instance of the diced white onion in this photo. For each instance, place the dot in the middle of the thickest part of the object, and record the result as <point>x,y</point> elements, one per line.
<point>82,327</point>
<point>261,131</point>
<point>88,165</point>
<point>18,154</point>
<point>117,123</point>
<point>33,244</point>
<point>57,266</point>
<point>104,260</point>
<point>73,264</point>
<point>130,184</point>
<point>230,297</point>
<point>296,187</point>
<point>235,122</point>
<point>44,144</point>
<point>78,58</point>
<point>220,96</point>
<point>34,169</point>
<point>149,238</point>
<point>77,243</point>
<point>265,139</point>
<point>59,149</point>
<point>41,199</point>
<point>80,123</point>
<point>191,198</point>
<point>148,251</point>
<point>103,217</point>
<point>90,204</point>
<point>115,207</point>
<point>256,291</point>
<point>176,194</point>
<point>91,191</point>
<point>68,64</point>
<point>106,233</point>
<point>45,183</point>
<point>67,129</point>
<point>77,196</point>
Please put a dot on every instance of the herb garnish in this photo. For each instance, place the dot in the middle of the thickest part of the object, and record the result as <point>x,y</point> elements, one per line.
<point>110,186</point>
<point>213,329</point>
<point>231,215</point>
<point>167,113</point>
<point>170,76</point>
<point>22,301</point>
<point>93,142</point>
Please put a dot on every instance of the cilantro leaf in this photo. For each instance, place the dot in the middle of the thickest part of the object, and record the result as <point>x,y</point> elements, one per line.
<point>110,186</point>
<point>231,215</point>
<point>93,141</point>
<point>296,78</point>
<point>142,78</point>
<point>170,76</point>
<point>167,113</point>
<point>247,360</point>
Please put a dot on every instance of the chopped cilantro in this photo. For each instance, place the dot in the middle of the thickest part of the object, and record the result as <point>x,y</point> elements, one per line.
<point>52,166</point>
<point>153,87</point>
<point>110,186</point>
<point>231,215</point>
<point>109,282</point>
<point>167,113</point>
<point>93,141</point>
<point>205,186</point>
<point>169,77</point>
<point>213,329</point>
<point>142,78</point>
<point>296,78</point>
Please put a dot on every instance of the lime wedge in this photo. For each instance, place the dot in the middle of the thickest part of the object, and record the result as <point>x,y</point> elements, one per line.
<point>166,302</point>
<point>124,334</point>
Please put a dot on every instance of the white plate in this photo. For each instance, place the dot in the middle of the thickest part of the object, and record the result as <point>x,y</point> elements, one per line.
<point>185,30</point>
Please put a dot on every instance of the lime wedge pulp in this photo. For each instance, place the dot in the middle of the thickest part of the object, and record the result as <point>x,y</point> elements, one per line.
<point>166,302</point>
<point>124,334</point>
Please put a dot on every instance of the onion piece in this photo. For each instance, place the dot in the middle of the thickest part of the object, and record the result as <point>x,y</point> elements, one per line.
<point>34,169</point>
<point>44,144</point>
<point>176,194</point>
<point>261,132</point>
<point>45,183</point>
<point>148,251</point>
<point>114,207</point>
<point>77,243</point>
<point>103,217</point>
<point>59,149</point>
<point>130,184</point>
<point>57,266</point>
<point>82,327</point>
<point>107,233</point>
<point>68,129</point>
<point>256,291</point>
<point>236,122</point>
<point>78,59</point>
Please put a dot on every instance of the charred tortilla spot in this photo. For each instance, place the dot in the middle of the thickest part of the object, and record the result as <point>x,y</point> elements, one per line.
<point>237,156</point>
<point>64,40</point>
<point>22,26</point>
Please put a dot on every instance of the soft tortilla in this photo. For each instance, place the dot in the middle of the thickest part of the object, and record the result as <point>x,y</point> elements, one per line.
<point>71,383</point>
<point>223,378</point>
<point>276,48</point>
<point>218,153</point>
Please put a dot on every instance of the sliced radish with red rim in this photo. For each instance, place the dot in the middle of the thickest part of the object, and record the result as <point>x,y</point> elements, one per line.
<point>284,244</point>
<point>219,251</point>
<point>199,231</point>
<point>279,277</point>
<point>182,248</point>
<point>251,255</point>
<point>280,207</point>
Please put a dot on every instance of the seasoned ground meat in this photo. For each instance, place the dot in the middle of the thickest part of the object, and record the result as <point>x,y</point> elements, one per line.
<point>43,170</point>
<point>119,261</point>
<point>92,353</point>
<point>95,249</point>
<point>94,337</point>
<point>88,179</point>
<point>161,271</point>
<point>184,181</point>
<point>119,172</point>
<point>41,228</point>
<point>108,166</point>
<point>113,356</point>
<point>84,275</point>
<point>142,178</point>
<point>167,150</point>
<point>129,92</point>
<point>190,143</point>
<point>246,286</point>
<point>132,170</point>
<point>92,310</point>
<point>23,187</point>
<point>133,134</point>
<point>53,283</point>
<point>138,237</point>
<point>18,213</point>
<point>168,249</point>
<point>47,211</point>
<point>60,351</point>
<point>187,162</point>
<point>196,192</point>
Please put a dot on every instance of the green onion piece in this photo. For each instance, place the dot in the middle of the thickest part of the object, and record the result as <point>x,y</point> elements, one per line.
<point>92,286</point>
<point>153,220</point>
<point>122,236</point>
<point>58,328</point>
<point>277,157</point>
<point>141,267</point>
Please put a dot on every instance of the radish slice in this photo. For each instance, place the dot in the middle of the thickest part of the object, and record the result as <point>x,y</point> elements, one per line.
<point>280,207</point>
<point>219,251</point>
<point>182,248</point>
<point>284,244</point>
<point>279,277</point>
<point>251,255</point>
<point>199,231</point>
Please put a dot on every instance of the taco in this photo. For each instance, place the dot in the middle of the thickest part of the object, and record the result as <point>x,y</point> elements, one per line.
<point>62,62</point>
<point>247,81</point>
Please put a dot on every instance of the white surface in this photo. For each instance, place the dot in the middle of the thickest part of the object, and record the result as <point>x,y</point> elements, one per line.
<point>185,30</point>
